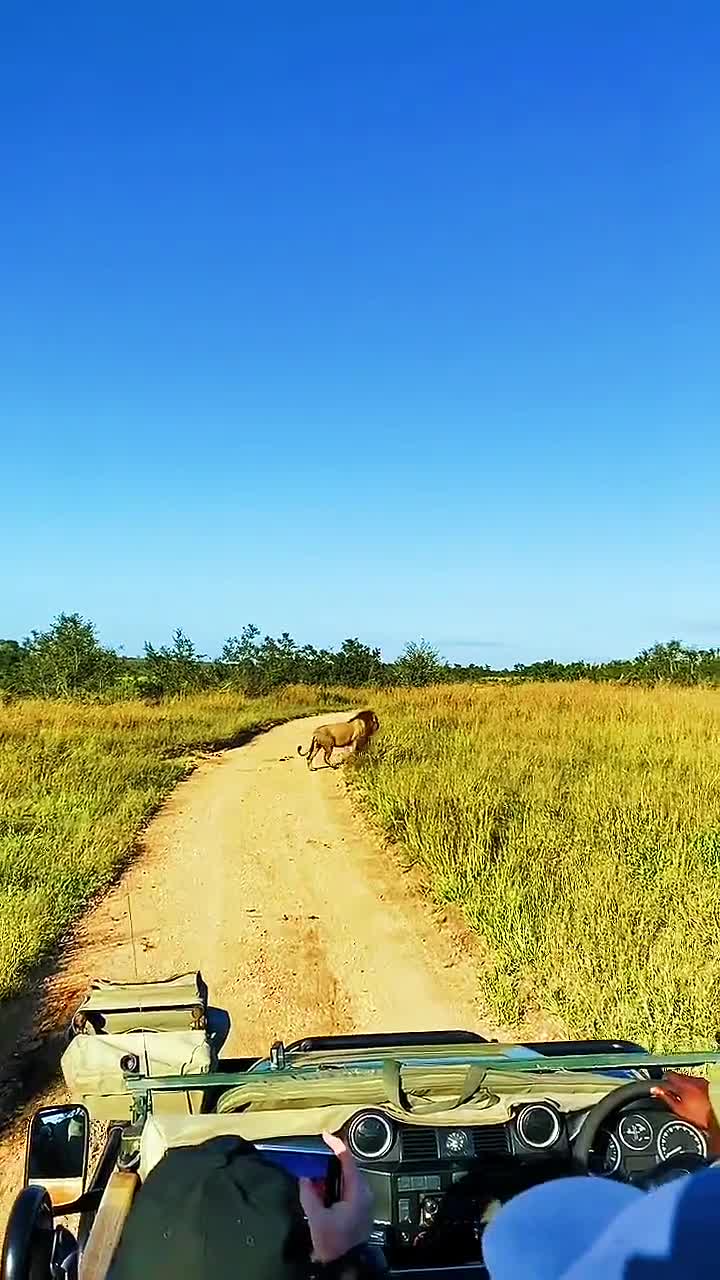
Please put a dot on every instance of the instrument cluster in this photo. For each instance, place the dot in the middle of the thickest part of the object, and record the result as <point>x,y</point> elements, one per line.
<point>638,1140</point>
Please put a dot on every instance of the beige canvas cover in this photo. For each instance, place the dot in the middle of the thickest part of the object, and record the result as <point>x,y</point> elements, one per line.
<point>172,1004</point>
<point>481,1095</point>
<point>92,1072</point>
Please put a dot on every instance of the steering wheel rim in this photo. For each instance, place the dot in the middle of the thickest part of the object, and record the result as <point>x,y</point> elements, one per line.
<point>598,1114</point>
<point>28,1236</point>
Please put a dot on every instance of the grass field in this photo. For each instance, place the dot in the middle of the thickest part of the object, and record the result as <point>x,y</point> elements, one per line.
<point>578,828</point>
<point>77,783</point>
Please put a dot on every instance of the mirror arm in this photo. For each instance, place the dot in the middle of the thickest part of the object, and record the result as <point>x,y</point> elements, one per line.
<point>88,1202</point>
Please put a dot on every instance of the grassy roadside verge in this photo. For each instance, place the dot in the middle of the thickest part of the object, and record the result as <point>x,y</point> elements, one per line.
<point>578,829</point>
<point>77,784</point>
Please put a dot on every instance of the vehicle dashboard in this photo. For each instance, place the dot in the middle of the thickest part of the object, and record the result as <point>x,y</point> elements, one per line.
<point>435,1188</point>
<point>435,1184</point>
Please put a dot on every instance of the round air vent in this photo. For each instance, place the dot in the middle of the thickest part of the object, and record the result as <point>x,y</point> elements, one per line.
<point>538,1126</point>
<point>370,1135</point>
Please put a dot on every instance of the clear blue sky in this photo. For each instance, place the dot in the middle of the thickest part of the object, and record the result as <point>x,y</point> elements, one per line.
<point>389,319</point>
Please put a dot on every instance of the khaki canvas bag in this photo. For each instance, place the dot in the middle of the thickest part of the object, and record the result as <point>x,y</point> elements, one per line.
<point>93,1074</point>
<point>173,1004</point>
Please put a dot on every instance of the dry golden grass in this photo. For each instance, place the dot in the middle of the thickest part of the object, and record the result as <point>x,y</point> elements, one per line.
<point>578,827</point>
<point>78,782</point>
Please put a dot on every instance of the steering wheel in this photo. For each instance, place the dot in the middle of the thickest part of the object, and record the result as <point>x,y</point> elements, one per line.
<point>28,1237</point>
<point>597,1116</point>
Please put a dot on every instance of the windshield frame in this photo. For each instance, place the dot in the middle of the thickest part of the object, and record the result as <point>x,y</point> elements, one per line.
<point>138,1084</point>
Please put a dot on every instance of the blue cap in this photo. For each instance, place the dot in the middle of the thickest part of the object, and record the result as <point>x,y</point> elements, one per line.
<point>597,1229</point>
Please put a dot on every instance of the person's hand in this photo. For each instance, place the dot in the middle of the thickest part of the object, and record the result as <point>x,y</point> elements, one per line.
<point>341,1226</point>
<point>689,1098</point>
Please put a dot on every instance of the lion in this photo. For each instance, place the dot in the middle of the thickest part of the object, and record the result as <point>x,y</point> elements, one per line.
<point>354,733</point>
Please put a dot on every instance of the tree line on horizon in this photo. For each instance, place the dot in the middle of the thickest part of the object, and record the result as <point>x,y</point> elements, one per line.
<point>68,661</point>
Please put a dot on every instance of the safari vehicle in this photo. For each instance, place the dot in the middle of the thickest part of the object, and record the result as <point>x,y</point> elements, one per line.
<point>445,1124</point>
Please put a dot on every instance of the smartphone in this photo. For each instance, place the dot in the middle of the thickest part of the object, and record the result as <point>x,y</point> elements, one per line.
<point>305,1158</point>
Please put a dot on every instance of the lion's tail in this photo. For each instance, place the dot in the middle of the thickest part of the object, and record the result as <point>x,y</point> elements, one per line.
<point>306,753</point>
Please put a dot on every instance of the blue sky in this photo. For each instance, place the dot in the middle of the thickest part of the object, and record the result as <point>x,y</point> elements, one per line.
<point>381,320</point>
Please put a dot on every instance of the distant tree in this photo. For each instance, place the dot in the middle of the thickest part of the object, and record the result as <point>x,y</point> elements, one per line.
<point>318,666</point>
<point>179,668</point>
<point>670,663</point>
<point>357,664</point>
<point>240,656</point>
<point>709,668</point>
<point>67,661</point>
<point>549,669</point>
<point>470,673</point>
<point>419,664</point>
<point>279,661</point>
<point>11,659</point>
<point>258,666</point>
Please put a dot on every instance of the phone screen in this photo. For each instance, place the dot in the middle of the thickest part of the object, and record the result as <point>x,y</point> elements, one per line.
<point>307,1160</point>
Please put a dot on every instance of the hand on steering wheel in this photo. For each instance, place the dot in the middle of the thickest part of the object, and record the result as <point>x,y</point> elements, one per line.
<point>689,1098</point>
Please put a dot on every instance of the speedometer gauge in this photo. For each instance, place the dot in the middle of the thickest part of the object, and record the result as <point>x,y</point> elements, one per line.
<point>678,1138</point>
<point>612,1157</point>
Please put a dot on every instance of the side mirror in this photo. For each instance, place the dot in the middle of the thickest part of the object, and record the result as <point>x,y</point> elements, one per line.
<point>57,1152</point>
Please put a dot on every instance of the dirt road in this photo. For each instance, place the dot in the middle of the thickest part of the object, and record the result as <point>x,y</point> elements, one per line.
<point>257,873</point>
